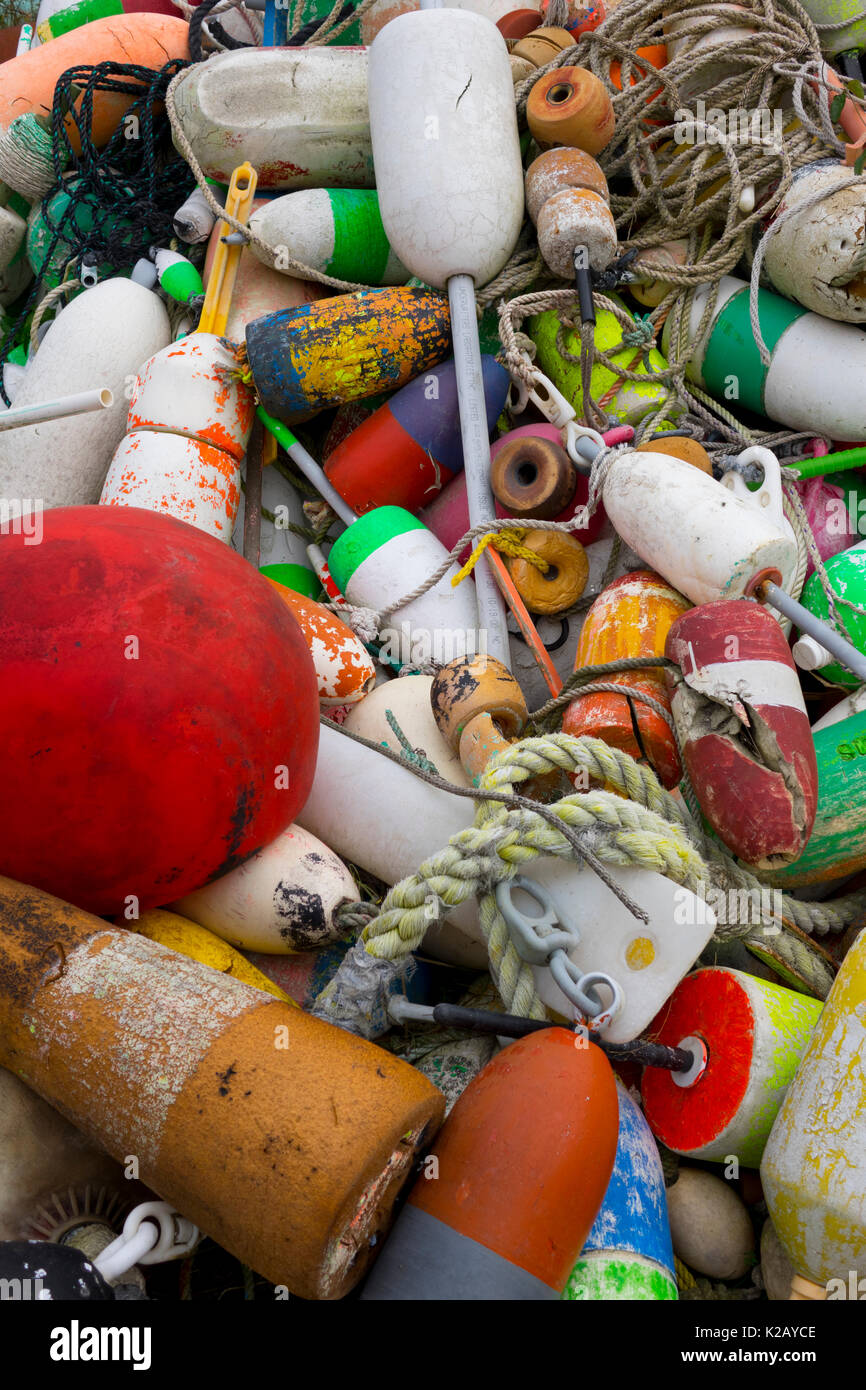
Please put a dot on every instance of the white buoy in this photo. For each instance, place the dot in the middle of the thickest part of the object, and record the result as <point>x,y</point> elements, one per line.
<point>450,183</point>
<point>814,380</point>
<point>388,821</point>
<point>102,337</point>
<point>189,422</point>
<point>815,255</point>
<point>704,539</point>
<point>281,901</point>
<point>298,115</point>
<point>408,702</point>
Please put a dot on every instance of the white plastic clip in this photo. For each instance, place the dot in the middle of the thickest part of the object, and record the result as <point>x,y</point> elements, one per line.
<point>556,410</point>
<point>152,1233</point>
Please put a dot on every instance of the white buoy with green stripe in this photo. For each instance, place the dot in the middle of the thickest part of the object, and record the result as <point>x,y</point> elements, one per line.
<point>387,553</point>
<point>336,230</point>
<point>817,367</point>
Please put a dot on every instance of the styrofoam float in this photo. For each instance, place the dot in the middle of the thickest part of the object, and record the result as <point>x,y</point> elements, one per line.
<point>189,421</point>
<point>100,339</point>
<point>281,901</point>
<point>298,115</point>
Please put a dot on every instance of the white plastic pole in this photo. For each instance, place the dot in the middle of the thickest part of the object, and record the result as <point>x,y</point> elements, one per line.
<point>78,404</point>
<point>308,466</point>
<point>476,457</point>
<point>844,653</point>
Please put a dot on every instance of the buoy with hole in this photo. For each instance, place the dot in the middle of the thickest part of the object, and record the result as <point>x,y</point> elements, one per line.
<point>747,1037</point>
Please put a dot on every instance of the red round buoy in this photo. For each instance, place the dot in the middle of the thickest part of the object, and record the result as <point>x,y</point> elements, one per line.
<point>159,708</point>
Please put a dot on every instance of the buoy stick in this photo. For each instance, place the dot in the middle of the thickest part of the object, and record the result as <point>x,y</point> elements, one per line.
<point>476,456</point>
<point>79,404</point>
<point>307,464</point>
<point>837,646</point>
<point>220,286</point>
<point>525,623</point>
<point>649,1054</point>
<point>253,495</point>
<point>829,463</point>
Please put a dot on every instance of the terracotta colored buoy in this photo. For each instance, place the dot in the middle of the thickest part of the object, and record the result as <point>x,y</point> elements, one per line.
<point>533,477</point>
<point>284,1139</point>
<point>571,106</point>
<point>562,583</point>
<point>679,446</point>
<point>159,704</point>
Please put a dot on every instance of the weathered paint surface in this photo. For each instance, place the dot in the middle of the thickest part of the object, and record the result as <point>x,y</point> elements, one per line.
<point>837,845</point>
<point>755,1033</point>
<point>283,899</point>
<point>260,104</point>
<point>814,1166</point>
<point>744,730</point>
<point>190,939</point>
<point>631,400</point>
<point>813,256</point>
<point>320,355</point>
<point>631,617</point>
<point>154,1054</point>
<point>344,668</point>
<point>630,1236</point>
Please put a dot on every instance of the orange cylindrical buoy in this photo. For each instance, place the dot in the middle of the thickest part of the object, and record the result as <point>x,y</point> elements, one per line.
<point>630,618</point>
<point>283,1138</point>
<point>508,1195</point>
<point>571,106</point>
<point>149,40</point>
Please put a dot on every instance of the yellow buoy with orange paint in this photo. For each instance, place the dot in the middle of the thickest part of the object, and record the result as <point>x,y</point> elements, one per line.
<point>630,618</point>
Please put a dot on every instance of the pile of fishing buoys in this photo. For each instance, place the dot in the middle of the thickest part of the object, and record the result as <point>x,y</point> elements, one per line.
<point>433,655</point>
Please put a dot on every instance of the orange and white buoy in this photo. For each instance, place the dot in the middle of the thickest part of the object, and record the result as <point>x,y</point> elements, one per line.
<point>161,1057</point>
<point>189,422</point>
<point>344,668</point>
